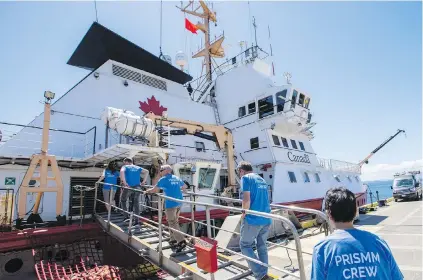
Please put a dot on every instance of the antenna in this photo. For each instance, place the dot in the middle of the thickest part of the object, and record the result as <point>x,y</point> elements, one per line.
<point>95,7</point>
<point>255,29</point>
<point>288,77</point>
<point>271,51</point>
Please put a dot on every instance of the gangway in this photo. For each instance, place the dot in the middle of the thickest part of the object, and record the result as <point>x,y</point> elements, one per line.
<point>150,239</point>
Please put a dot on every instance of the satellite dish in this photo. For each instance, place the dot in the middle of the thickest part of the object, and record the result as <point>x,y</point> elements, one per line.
<point>181,60</point>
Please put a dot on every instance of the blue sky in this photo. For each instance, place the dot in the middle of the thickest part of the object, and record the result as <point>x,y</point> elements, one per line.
<point>359,61</point>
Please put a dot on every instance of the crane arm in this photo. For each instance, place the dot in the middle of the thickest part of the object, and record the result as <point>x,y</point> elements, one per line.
<point>366,160</point>
<point>222,136</point>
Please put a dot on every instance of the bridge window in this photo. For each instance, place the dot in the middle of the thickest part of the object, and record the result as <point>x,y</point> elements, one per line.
<point>294,98</point>
<point>306,178</point>
<point>265,106</point>
<point>292,178</point>
<point>317,177</point>
<point>254,143</point>
<point>349,179</point>
<point>200,147</point>
<point>306,102</point>
<point>276,140</point>
<point>294,144</point>
<point>356,178</point>
<point>252,108</point>
<point>301,99</point>
<point>280,100</point>
<point>206,178</point>
<point>301,145</point>
<point>285,142</point>
<point>337,178</point>
<point>241,112</point>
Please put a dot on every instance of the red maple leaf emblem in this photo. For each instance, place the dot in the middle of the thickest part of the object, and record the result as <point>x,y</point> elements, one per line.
<point>152,105</point>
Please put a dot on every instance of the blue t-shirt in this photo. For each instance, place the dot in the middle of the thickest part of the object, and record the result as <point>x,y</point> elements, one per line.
<point>171,185</point>
<point>259,198</point>
<point>353,254</point>
<point>132,175</point>
<point>110,178</point>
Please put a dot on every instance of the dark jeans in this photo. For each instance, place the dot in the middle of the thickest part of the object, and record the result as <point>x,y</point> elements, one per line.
<point>134,200</point>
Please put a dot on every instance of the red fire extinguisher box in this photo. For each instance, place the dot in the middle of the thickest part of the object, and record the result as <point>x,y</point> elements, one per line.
<point>206,249</point>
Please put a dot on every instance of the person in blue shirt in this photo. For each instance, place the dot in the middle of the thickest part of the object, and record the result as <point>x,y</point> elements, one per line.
<point>350,253</point>
<point>130,176</point>
<point>254,229</point>
<point>110,176</point>
<point>172,186</point>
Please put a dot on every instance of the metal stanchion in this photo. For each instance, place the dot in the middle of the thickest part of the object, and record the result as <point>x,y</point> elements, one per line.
<point>160,218</point>
<point>209,235</point>
<point>109,214</point>
<point>131,216</point>
<point>192,219</point>
<point>95,198</point>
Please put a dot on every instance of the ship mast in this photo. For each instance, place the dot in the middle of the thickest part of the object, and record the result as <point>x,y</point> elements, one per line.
<point>210,49</point>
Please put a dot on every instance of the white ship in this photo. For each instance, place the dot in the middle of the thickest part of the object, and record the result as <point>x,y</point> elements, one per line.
<point>270,122</point>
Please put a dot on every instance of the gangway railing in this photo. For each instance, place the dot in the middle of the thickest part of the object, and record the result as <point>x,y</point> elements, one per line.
<point>274,206</point>
<point>169,261</point>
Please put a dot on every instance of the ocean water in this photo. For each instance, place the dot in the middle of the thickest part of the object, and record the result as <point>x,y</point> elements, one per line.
<point>382,186</point>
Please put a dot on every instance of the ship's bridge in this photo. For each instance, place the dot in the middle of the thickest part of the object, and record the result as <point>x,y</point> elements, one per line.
<point>285,109</point>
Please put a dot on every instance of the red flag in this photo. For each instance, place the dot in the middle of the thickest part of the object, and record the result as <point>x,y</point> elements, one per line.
<point>190,26</point>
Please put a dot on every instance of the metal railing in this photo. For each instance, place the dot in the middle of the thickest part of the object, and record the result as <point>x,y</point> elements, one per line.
<point>159,225</point>
<point>337,165</point>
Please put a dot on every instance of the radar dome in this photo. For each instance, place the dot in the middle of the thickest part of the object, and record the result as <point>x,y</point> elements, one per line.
<point>181,59</point>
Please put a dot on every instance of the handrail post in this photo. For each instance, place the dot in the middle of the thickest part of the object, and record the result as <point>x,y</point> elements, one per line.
<point>109,214</point>
<point>131,216</point>
<point>209,235</point>
<point>192,218</point>
<point>160,220</point>
<point>95,198</point>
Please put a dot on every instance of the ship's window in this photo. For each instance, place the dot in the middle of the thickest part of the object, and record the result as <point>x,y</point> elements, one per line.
<point>301,99</point>
<point>317,177</point>
<point>309,117</point>
<point>276,140</point>
<point>292,178</point>
<point>252,108</point>
<point>356,178</point>
<point>241,111</point>
<point>349,179</point>
<point>206,178</point>
<point>337,178</point>
<point>265,106</point>
<point>261,175</point>
<point>294,98</point>
<point>285,142</point>
<point>254,143</point>
<point>307,102</point>
<point>301,145</point>
<point>280,100</point>
<point>306,178</point>
<point>294,144</point>
<point>200,147</point>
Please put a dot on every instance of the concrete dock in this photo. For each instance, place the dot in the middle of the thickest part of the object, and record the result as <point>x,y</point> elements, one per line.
<point>399,224</point>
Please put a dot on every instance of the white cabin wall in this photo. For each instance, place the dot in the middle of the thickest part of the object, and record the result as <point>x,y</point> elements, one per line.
<point>243,151</point>
<point>236,88</point>
<point>91,96</point>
